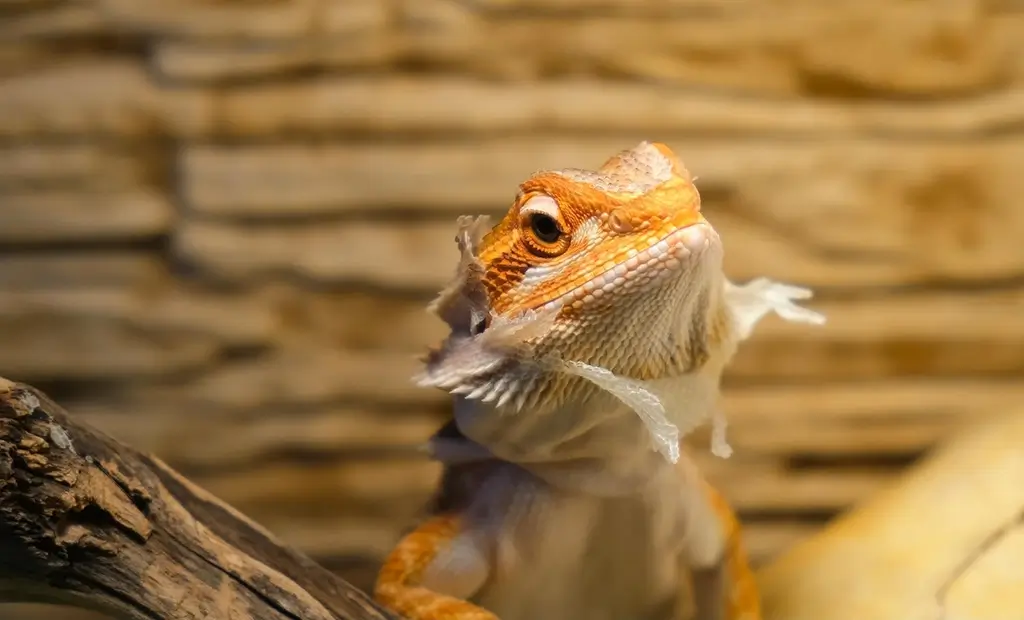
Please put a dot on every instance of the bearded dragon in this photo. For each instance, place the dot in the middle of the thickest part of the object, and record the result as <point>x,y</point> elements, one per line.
<point>588,333</point>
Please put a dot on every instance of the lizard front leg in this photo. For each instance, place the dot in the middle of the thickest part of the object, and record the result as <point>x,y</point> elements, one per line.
<point>721,580</point>
<point>432,571</point>
<point>727,590</point>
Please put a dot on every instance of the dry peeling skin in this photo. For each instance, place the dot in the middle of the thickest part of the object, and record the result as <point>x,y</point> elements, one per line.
<point>506,346</point>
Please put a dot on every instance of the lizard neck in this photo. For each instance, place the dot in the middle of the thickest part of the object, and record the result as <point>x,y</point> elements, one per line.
<point>570,431</point>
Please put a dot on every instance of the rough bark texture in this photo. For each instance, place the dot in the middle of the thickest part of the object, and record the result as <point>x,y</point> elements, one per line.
<point>87,521</point>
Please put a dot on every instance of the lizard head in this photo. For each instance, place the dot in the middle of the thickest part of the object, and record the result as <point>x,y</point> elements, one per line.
<point>620,250</point>
<point>599,292</point>
<point>594,284</point>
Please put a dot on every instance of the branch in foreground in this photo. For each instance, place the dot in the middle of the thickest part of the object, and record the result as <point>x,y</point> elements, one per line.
<point>89,522</point>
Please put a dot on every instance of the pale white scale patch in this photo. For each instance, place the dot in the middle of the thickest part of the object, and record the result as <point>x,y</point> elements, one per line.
<point>542,204</point>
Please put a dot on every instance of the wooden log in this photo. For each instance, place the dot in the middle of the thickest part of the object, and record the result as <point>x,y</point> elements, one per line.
<point>91,523</point>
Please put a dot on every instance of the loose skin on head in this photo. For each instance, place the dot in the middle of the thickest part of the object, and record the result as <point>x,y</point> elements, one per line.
<point>589,331</point>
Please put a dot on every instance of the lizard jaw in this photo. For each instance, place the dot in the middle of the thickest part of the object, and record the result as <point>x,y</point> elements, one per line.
<point>644,266</point>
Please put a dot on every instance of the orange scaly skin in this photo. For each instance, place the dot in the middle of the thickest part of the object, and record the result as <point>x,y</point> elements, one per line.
<point>553,505</point>
<point>398,586</point>
<point>744,600</point>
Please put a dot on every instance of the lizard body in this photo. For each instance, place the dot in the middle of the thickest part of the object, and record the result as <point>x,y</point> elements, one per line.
<point>590,325</point>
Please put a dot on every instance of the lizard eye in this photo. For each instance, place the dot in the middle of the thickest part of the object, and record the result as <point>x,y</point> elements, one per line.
<point>545,228</point>
<point>542,235</point>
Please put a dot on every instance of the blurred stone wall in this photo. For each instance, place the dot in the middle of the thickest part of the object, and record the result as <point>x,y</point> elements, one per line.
<point>220,221</point>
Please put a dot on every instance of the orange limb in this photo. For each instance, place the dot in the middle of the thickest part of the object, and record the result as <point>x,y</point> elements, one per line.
<point>743,600</point>
<point>399,583</point>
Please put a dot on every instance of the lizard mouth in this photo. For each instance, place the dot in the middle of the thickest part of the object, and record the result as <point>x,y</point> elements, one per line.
<point>642,265</point>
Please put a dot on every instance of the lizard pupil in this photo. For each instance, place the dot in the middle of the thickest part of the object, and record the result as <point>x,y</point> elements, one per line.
<point>545,228</point>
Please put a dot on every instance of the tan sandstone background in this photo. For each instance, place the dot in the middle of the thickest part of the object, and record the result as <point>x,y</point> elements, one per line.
<point>220,221</point>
